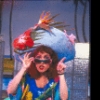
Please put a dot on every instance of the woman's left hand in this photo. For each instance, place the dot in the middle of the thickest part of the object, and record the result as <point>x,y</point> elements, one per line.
<point>61,66</point>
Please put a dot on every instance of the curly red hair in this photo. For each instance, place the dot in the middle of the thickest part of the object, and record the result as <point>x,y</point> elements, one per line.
<point>51,72</point>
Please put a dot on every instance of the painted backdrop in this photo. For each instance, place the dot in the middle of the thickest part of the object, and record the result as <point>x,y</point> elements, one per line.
<point>19,15</point>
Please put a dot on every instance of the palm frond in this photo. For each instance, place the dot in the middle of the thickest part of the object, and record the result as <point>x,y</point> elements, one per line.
<point>56,23</point>
<point>53,17</point>
<point>35,35</point>
<point>61,26</point>
<point>45,15</point>
<point>25,91</point>
<point>37,38</point>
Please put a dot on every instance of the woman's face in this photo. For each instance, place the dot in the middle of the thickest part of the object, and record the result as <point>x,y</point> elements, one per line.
<point>42,61</point>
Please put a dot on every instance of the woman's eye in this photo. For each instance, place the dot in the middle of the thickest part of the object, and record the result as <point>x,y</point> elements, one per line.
<point>46,57</point>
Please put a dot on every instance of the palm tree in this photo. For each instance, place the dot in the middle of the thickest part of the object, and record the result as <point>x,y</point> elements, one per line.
<point>10,29</point>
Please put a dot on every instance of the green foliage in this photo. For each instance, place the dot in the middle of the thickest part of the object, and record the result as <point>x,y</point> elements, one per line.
<point>47,93</point>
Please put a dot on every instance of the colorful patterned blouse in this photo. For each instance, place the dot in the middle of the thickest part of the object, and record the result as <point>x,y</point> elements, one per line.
<point>35,93</point>
<point>32,92</point>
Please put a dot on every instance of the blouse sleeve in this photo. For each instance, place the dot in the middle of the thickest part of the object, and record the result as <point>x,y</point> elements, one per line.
<point>18,94</point>
<point>19,91</point>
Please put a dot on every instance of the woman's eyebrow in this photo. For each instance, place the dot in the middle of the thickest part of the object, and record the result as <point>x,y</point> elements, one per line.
<point>38,56</point>
<point>47,56</point>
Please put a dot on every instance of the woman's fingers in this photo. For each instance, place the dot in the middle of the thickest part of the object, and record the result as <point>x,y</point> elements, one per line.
<point>61,66</point>
<point>26,55</point>
<point>62,60</point>
<point>31,59</point>
<point>61,63</point>
<point>26,60</point>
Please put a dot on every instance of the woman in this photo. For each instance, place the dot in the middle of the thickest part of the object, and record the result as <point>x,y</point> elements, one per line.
<point>43,74</point>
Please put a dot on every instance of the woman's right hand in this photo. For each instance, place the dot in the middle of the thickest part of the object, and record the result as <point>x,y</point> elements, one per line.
<point>26,60</point>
